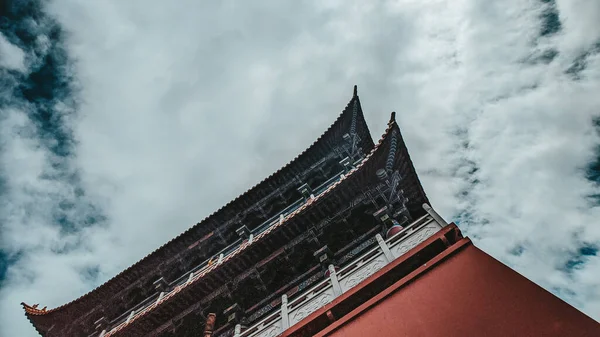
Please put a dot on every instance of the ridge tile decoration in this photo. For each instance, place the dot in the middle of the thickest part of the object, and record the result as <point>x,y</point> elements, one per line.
<point>334,194</point>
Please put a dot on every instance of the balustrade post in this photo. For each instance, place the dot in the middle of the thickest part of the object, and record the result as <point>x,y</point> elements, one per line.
<point>220,258</point>
<point>103,333</point>
<point>285,317</point>
<point>160,296</point>
<point>337,289</point>
<point>250,238</point>
<point>190,278</point>
<point>130,317</point>
<point>238,330</point>
<point>384,248</point>
<point>435,215</point>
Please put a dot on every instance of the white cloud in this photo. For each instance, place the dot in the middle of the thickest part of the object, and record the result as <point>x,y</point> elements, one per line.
<point>11,56</point>
<point>183,106</point>
<point>580,19</point>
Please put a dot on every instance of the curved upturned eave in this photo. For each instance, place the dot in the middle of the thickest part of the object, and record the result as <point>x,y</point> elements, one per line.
<point>31,312</point>
<point>44,320</point>
<point>412,178</point>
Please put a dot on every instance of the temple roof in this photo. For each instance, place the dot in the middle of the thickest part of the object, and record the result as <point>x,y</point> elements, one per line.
<point>51,322</point>
<point>389,153</point>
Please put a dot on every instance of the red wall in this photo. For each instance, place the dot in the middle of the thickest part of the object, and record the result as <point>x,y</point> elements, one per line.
<point>467,294</point>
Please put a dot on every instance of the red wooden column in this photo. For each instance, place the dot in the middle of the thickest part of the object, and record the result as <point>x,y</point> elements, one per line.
<point>210,325</point>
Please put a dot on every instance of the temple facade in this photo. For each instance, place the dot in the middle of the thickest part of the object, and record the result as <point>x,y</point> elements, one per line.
<point>340,241</point>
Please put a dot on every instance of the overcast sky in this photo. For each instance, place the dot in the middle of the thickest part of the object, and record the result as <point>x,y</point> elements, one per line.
<point>122,123</point>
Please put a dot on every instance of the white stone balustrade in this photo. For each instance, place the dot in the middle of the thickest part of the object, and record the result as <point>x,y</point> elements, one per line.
<point>339,282</point>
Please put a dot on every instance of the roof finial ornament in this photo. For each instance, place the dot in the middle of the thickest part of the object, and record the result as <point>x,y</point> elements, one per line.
<point>392,117</point>
<point>355,91</point>
<point>33,309</point>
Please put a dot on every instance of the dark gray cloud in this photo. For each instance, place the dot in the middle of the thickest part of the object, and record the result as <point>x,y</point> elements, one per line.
<point>43,205</point>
